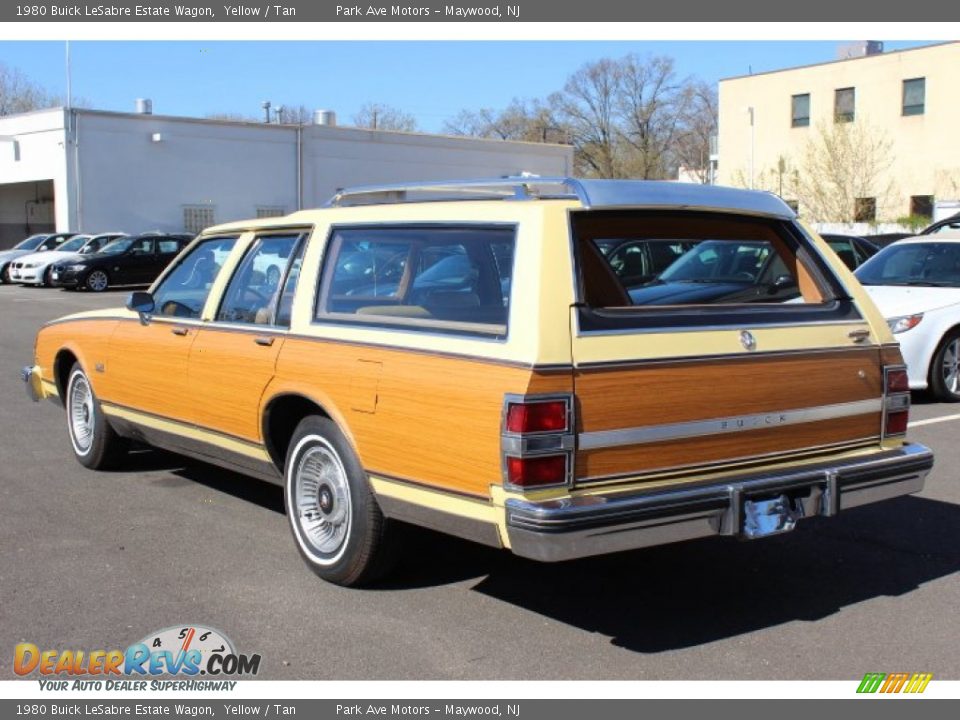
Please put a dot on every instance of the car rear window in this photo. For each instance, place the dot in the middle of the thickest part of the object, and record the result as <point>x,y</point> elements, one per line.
<point>446,279</point>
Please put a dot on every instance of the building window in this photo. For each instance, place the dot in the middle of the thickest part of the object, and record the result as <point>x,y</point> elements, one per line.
<point>921,205</point>
<point>268,211</point>
<point>914,96</point>
<point>800,110</point>
<point>865,209</point>
<point>844,101</point>
<point>197,217</point>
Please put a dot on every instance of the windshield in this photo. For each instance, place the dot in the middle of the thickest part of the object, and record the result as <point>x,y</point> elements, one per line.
<point>719,261</point>
<point>30,243</point>
<point>117,246</point>
<point>930,264</point>
<point>73,244</point>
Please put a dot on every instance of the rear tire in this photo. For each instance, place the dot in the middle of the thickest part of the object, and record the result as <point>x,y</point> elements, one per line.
<point>95,444</point>
<point>945,369</point>
<point>97,281</point>
<point>47,280</point>
<point>337,525</point>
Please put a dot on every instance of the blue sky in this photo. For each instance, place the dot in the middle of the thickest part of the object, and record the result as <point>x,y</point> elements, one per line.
<point>431,80</point>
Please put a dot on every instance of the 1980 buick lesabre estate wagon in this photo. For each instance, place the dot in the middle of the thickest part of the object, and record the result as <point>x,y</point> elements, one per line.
<point>473,357</point>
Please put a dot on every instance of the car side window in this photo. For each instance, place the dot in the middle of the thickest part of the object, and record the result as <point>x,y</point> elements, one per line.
<point>453,279</point>
<point>168,247</point>
<point>143,246</point>
<point>183,292</point>
<point>255,290</point>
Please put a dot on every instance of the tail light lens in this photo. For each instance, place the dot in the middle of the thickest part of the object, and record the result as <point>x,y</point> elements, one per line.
<point>549,416</point>
<point>537,470</point>
<point>896,401</point>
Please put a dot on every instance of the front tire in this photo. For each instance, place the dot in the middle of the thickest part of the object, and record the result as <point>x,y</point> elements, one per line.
<point>97,281</point>
<point>5,275</point>
<point>336,523</point>
<point>95,444</point>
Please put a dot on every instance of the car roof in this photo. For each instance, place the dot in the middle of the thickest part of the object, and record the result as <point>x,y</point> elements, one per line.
<point>951,236</point>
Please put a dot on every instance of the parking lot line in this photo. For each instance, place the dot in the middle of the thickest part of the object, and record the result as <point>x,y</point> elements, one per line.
<point>931,421</point>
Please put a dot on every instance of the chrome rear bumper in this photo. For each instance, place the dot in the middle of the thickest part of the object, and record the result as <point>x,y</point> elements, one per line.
<point>32,379</point>
<point>597,524</point>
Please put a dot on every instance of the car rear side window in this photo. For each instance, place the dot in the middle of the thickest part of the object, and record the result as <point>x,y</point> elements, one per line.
<point>184,290</point>
<point>442,279</point>
<point>638,264</point>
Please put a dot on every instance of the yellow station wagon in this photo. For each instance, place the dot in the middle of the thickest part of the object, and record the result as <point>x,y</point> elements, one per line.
<point>558,367</point>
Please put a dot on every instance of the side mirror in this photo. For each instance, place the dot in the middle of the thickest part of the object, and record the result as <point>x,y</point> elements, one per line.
<point>141,303</point>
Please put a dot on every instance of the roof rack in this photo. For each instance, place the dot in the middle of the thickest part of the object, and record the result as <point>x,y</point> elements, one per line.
<point>527,187</point>
<point>655,194</point>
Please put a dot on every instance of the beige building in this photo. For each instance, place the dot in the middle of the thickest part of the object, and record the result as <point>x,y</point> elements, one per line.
<point>870,138</point>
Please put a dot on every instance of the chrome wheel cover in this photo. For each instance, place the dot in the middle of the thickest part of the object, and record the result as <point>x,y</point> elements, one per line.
<point>81,415</point>
<point>321,499</point>
<point>97,281</point>
<point>951,366</point>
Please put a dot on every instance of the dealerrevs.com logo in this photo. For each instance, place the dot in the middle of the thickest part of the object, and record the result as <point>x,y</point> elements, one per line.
<point>185,651</point>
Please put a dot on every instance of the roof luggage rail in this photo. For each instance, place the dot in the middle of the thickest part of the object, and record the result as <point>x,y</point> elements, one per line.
<point>525,187</point>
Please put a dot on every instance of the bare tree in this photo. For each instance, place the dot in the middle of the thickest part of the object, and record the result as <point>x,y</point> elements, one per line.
<point>698,125</point>
<point>528,120</point>
<point>652,105</point>
<point>19,94</point>
<point>841,166</point>
<point>378,116</point>
<point>588,106</point>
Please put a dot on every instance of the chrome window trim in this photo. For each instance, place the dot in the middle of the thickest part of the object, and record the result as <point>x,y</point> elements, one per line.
<point>720,426</point>
<point>752,324</point>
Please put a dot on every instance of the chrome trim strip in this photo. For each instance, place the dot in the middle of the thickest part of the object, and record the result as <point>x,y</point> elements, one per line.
<point>741,462</point>
<point>718,426</point>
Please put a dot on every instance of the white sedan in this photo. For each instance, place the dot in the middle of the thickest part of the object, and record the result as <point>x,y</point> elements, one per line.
<point>34,269</point>
<point>916,285</point>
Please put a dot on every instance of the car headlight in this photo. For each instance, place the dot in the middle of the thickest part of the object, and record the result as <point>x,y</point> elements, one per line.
<point>27,266</point>
<point>904,323</point>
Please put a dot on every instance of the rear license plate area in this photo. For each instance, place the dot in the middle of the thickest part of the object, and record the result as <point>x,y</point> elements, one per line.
<point>762,517</point>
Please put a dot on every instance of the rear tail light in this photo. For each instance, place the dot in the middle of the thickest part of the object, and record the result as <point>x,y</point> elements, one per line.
<point>537,441</point>
<point>896,401</point>
<point>546,416</point>
<point>537,471</point>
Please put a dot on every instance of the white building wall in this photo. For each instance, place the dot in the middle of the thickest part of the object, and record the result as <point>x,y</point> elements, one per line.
<point>32,149</point>
<point>129,172</point>
<point>130,182</point>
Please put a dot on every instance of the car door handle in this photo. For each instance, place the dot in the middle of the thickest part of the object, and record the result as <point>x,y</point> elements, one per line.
<point>180,331</point>
<point>858,336</point>
<point>265,341</point>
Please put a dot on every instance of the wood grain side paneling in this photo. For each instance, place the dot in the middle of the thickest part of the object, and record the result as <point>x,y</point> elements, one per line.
<point>228,373</point>
<point>659,393</point>
<point>637,459</point>
<point>436,419</point>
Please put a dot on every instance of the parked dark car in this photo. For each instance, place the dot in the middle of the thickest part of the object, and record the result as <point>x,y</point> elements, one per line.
<point>638,261</point>
<point>726,271</point>
<point>950,223</point>
<point>134,260</point>
<point>852,249</point>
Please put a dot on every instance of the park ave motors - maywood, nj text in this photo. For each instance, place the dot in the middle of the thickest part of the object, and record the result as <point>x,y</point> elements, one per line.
<point>453,11</point>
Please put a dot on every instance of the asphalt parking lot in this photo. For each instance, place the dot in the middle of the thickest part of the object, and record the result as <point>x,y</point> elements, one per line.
<point>98,560</point>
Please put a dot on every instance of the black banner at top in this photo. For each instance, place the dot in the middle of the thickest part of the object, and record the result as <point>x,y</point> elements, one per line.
<point>348,11</point>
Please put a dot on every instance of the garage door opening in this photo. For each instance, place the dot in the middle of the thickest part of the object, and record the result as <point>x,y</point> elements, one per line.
<point>26,208</point>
